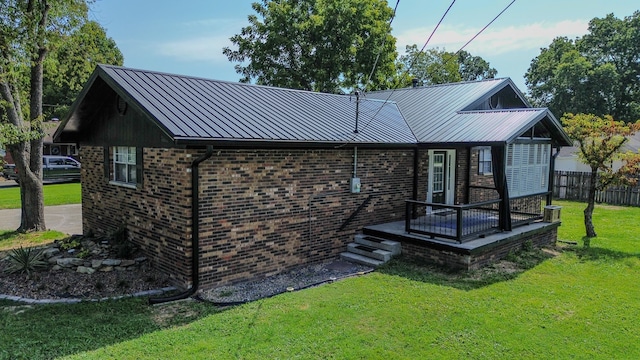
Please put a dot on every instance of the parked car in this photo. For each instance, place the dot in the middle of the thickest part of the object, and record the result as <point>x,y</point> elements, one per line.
<point>54,168</point>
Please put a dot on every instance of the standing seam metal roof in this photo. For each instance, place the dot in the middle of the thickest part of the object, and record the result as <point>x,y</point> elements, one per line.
<point>196,108</point>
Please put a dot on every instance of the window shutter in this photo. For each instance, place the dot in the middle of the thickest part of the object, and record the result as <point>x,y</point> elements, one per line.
<point>139,167</point>
<point>107,164</point>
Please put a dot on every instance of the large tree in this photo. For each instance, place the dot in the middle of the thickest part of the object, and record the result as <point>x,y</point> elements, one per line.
<point>600,141</point>
<point>435,66</point>
<point>598,73</point>
<point>71,62</point>
<point>27,29</point>
<point>319,45</point>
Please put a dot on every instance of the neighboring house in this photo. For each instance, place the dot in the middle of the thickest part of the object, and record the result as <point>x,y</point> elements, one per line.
<point>568,160</point>
<point>222,182</point>
<point>48,147</point>
<point>51,148</point>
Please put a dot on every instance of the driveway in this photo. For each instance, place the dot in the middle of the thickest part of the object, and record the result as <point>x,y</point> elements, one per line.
<point>64,218</point>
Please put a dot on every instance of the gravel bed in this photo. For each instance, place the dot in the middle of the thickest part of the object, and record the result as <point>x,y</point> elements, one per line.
<point>299,278</point>
<point>66,284</point>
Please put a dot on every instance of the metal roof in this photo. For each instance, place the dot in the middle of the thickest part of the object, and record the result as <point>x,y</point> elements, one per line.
<point>196,109</point>
<point>190,109</point>
<point>445,113</point>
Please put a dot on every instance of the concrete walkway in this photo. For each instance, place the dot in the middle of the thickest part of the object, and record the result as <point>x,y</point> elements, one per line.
<point>64,218</point>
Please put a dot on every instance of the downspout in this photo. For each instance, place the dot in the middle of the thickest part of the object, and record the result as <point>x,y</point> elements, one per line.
<point>552,170</point>
<point>416,164</point>
<point>195,232</point>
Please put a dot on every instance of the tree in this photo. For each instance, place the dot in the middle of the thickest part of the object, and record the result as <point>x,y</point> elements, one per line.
<point>598,73</point>
<point>72,61</point>
<point>319,45</point>
<point>600,140</point>
<point>27,28</point>
<point>435,66</point>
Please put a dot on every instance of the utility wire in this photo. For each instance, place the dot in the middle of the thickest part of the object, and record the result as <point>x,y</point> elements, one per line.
<point>384,41</point>
<point>406,71</point>
<point>422,49</point>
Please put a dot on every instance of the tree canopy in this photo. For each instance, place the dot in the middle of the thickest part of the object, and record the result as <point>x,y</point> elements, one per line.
<point>318,45</point>
<point>598,73</point>
<point>71,62</point>
<point>29,31</point>
<point>435,66</point>
<point>600,141</point>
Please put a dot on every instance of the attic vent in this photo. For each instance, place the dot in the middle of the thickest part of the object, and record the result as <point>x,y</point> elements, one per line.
<point>495,102</point>
<point>121,105</point>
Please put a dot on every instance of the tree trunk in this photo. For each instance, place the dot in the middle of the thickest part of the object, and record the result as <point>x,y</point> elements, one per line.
<point>591,200</point>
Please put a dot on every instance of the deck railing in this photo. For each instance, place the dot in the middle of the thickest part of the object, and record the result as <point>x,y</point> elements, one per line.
<point>455,222</point>
<point>465,222</point>
<point>527,209</point>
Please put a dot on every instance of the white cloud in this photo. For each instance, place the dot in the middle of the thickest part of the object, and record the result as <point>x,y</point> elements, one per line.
<point>494,41</point>
<point>203,48</point>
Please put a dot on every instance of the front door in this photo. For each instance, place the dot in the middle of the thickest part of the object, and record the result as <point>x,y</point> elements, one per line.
<point>441,180</point>
<point>439,169</point>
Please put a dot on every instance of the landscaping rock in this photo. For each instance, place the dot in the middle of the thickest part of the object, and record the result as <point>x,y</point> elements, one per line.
<point>68,262</point>
<point>85,270</point>
<point>127,263</point>
<point>106,269</point>
<point>50,252</point>
<point>96,263</point>
<point>111,262</point>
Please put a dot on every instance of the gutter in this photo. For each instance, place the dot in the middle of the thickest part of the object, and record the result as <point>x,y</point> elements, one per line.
<point>195,232</point>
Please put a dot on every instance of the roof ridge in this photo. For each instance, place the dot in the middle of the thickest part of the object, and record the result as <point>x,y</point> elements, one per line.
<point>500,79</point>
<point>500,110</point>
<point>235,83</point>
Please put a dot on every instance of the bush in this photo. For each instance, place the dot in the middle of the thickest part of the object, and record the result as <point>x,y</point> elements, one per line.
<point>26,260</point>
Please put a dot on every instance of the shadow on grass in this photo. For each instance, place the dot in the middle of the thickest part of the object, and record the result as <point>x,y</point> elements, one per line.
<point>509,268</point>
<point>8,235</point>
<point>592,253</point>
<point>51,331</point>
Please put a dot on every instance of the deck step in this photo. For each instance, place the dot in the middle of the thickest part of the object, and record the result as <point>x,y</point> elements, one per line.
<point>394,247</point>
<point>369,251</point>
<point>359,259</point>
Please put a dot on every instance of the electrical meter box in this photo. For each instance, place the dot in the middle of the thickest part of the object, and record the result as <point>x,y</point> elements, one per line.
<point>355,185</point>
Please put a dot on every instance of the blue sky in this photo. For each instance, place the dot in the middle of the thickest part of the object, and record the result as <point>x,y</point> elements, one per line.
<point>186,37</point>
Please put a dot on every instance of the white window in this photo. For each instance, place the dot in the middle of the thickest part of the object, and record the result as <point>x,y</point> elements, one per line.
<point>484,161</point>
<point>528,168</point>
<point>124,165</point>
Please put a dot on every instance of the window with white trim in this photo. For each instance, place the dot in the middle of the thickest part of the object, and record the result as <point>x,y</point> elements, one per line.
<point>484,161</point>
<point>124,165</point>
<point>528,168</point>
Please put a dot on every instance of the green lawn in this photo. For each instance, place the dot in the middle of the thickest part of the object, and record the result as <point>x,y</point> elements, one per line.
<point>582,303</point>
<point>12,240</point>
<point>54,194</point>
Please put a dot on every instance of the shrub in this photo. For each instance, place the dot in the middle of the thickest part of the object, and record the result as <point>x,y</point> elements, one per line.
<point>26,260</point>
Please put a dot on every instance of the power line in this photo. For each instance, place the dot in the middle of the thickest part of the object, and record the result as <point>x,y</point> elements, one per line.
<point>422,49</point>
<point>406,71</point>
<point>483,29</point>
<point>384,41</point>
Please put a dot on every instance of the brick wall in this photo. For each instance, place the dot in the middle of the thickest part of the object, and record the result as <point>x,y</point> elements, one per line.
<point>261,212</point>
<point>157,216</point>
<point>265,211</point>
<point>422,251</point>
<point>483,181</point>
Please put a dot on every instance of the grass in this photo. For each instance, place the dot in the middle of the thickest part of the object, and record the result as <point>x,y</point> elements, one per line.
<point>54,194</point>
<point>581,303</point>
<point>12,240</point>
<point>46,332</point>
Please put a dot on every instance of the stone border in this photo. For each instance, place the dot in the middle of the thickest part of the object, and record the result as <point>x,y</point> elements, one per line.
<point>28,301</point>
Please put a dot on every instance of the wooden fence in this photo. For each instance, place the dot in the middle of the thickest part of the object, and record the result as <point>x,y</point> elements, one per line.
<point>574,185</point>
